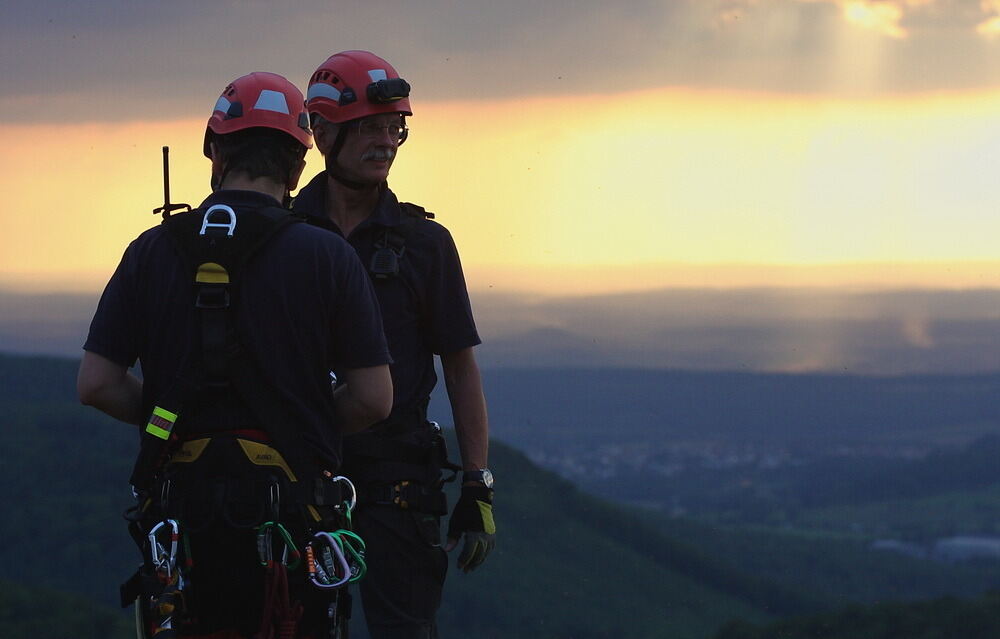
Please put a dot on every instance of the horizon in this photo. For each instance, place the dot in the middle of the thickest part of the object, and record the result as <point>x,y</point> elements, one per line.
<point>880,332</point>
<point>608,279</point>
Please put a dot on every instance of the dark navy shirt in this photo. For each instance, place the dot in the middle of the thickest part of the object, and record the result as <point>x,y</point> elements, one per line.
<point>305,307</point>
<point>426,309</point>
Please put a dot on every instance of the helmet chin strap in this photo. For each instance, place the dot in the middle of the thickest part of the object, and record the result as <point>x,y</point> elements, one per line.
<point>218,180</point>
<point>333,169</point>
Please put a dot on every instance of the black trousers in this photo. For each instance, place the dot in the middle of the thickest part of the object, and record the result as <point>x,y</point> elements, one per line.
<point>401,593</point>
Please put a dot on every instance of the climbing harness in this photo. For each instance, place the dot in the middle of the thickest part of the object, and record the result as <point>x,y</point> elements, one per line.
<point>268,482</point>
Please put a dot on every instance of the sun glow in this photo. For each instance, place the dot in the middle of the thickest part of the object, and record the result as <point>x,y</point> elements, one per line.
<point>561,192</point>
<point>878,16</point>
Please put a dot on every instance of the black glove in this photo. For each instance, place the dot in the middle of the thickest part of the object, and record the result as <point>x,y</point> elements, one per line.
<point>473,517</point>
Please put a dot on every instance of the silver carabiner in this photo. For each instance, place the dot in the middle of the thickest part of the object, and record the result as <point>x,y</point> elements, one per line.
<point>353,501</point>
<point>161,558</point>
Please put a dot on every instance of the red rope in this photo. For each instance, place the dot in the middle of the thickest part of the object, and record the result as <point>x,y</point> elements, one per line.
<point>280,618</point>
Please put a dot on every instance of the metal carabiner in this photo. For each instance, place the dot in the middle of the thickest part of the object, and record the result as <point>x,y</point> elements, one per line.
<point>206,222</point>
<point>353,501</point>
<point>265,547</point>
<point>163,560</point>
<point>317,574</point>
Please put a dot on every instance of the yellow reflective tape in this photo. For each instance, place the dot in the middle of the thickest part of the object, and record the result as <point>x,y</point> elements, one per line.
<point>165,414</point>
<point>161,422</point>
<point>156,431</point>
<point>264,455</point>
<point>211,273</point>
<point>314,513</point>
<point>486,511</point>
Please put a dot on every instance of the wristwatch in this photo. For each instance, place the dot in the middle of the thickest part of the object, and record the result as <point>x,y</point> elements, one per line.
<point>483,476</point>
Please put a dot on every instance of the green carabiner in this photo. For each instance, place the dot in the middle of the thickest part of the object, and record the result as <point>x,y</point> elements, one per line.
<point>264,545</point>
<point>354,546</point>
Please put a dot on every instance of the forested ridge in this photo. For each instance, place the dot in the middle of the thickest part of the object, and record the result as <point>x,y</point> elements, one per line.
<point>567,564</point>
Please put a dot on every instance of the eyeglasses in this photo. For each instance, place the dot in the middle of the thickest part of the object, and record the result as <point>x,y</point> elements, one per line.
<point>396,130</point>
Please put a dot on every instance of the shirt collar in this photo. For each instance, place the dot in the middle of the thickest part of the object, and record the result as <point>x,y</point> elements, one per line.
<point>311,200</point>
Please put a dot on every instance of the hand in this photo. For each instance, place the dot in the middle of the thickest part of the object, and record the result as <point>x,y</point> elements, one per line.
<point>472,517</point>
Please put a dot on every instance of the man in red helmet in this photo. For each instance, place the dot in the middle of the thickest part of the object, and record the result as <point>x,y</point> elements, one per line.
<point>359,104</point>
<point>238,315</point>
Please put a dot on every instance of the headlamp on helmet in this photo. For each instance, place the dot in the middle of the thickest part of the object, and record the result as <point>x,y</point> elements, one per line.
<point>388,91</point>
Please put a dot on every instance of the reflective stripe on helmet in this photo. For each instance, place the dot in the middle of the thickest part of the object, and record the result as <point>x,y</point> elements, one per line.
<point>272,101</point>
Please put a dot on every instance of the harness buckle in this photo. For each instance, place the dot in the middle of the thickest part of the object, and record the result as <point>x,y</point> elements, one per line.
<point>212,297</point>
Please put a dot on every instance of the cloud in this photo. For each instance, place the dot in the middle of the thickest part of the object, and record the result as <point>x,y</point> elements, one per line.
<point>917,332</point>
<point>883,17</point>
<point>900,18</point>
<point>113,60</point>
<point>118,59</point>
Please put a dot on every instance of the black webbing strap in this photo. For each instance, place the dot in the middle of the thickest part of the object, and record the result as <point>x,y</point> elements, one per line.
<point>153,450</point>
<point>224,250</point>
<point>406,495</point>
<point>263,400</point>
<point>387,448</point>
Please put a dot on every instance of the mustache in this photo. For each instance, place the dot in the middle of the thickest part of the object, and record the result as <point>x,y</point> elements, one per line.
<point>380,155</point>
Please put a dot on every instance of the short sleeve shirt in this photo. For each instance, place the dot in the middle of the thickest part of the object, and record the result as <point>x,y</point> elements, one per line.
<point>426,308</point>
<point>305,308</point>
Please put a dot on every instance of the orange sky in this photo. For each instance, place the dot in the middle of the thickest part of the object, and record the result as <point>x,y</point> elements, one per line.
<point>579,194</point>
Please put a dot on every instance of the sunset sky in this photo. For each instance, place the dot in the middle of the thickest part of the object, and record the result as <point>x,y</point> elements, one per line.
<point>569,146</point>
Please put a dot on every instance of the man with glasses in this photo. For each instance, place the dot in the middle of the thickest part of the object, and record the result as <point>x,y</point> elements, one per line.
<point>358,105</point>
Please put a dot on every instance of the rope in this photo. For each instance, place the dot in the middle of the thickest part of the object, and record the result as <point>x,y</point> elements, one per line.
<point>280,618</point>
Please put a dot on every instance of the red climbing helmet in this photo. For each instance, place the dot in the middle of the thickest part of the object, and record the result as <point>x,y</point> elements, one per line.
<point>355,84</point>
<point>260,99</point>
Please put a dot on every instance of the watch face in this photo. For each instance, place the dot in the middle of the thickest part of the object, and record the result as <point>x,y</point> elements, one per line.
<point>483,475</point>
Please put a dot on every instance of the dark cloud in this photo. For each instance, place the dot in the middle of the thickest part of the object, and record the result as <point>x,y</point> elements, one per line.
<point>115,59</point>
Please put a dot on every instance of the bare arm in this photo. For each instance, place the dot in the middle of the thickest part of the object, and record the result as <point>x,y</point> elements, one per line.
<point>364,397</point>
<point>110,388</point>
<point>468,406</point>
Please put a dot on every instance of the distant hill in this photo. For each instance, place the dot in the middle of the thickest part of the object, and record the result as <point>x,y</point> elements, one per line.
<point>567,564</point>
<point>38,613</point>
<point>755,447</point>
<point>944,618</point>
<point>884,332</point>
<point>585,409</point>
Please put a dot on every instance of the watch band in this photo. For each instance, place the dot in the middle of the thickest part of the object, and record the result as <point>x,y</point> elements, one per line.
<point>483,476</point>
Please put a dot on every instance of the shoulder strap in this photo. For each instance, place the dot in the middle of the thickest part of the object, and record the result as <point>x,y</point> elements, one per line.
<point>215,244</point>
<point>414,210</point>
